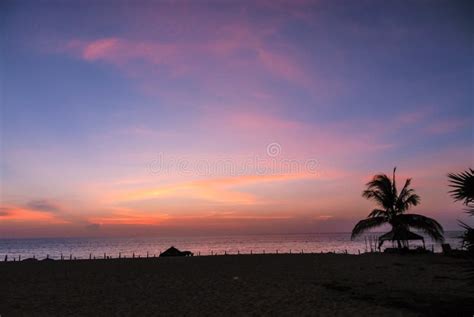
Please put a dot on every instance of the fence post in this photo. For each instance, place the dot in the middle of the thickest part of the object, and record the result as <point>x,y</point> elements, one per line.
<point>6,257</point>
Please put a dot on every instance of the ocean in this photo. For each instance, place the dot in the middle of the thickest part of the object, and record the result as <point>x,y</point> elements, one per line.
<point>83,248</point>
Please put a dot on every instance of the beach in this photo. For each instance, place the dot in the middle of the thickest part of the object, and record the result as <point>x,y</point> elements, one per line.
<point>284,284</point>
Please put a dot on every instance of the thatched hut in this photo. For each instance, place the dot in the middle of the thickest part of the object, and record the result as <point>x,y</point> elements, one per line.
<point>402,236</point>
<point>175,252</point>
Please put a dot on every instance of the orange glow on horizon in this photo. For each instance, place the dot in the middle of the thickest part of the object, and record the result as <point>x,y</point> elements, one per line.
<point>18,214</point>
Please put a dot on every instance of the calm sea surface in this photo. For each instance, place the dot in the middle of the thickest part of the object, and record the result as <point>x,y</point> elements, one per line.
<point>84,247</point>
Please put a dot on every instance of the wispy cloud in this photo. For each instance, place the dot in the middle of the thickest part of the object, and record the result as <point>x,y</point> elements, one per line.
<point>237,48</point>
<point>43,205</point>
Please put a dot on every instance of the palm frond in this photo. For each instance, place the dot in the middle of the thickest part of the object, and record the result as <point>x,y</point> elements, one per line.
<point>428,225</point>
<point>470,209</point>
<point>367,224</point>
<point>380,190</point>
<point>407,198</point>
<point>377,212</point>
<point>463,186</point>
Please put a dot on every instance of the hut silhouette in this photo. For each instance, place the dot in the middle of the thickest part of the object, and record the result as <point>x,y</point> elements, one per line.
<point>402,236</point>
<point>172,251</point>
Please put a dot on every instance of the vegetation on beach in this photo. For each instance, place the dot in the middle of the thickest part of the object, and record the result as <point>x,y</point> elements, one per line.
<point>392,208</point>
<point>463,190</point>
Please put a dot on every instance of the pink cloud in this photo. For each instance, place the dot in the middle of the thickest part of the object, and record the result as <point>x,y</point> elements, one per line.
<point>283,66</point>
<point>121,51</point>
<point>100,48</point>
<point>227,48</point>
<point>413,117</point>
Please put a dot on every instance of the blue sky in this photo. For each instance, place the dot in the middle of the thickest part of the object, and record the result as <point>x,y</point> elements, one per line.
<point>93,92</point>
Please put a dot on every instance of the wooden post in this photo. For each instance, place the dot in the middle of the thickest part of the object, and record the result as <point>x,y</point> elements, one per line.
<point>47,256</point>
<point>238,252</point>
<point>90,256</point>
<point>70,256</point>
<point>62,257</point>
<point>19,258</point>
<point>250,251</point>
<point>147,254</point>
<point>277,251</point>
<point>358,251</point>
<point>105,256</point>
<point>120,255</point>
<point>6,257</point>
<point>290,251</point>
<point>133,255</point>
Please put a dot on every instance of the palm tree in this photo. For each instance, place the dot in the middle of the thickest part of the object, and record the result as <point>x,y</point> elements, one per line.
<point>463,188</point>
<point>392,209</point>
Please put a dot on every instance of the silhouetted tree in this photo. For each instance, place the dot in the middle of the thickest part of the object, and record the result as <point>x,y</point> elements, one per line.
<point>463,188</point>
<point>467,237</point>
<point>392,208</point>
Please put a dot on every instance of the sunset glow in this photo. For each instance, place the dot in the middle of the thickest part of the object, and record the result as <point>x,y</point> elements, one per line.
<point>214,117</point>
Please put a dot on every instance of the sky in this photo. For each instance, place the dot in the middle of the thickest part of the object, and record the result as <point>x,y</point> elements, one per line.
<point>126,118</point>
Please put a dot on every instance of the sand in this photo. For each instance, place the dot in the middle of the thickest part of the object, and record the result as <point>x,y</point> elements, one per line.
<point>288,285</point>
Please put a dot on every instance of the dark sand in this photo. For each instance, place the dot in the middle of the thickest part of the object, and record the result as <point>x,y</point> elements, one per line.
<point>292,285</point>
